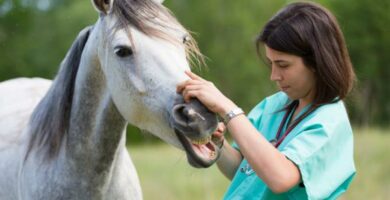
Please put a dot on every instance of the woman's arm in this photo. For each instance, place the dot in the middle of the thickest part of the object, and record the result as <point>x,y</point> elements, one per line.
<point>229,160</point>
<point>278,172</point>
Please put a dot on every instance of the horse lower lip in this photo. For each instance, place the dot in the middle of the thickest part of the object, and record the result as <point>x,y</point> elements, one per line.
<point>198,160</point>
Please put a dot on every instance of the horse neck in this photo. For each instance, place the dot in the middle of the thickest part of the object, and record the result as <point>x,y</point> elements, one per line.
<point>96,130</point>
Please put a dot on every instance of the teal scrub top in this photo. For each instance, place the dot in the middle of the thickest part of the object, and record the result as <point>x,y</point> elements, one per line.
<point>321,146</point>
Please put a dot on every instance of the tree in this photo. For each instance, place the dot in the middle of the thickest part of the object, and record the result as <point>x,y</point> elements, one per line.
<point>33,42</point>
<point>366,27</point>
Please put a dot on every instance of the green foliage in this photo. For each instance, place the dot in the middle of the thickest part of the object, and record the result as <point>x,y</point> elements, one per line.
<point>366,27</point>
<point>34,42</point>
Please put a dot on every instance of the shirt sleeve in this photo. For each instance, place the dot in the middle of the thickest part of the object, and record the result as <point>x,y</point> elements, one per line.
<point>324,155</point>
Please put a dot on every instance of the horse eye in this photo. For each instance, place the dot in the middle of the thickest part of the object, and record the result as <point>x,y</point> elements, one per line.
<point>186,39</point>
<point>123,51</point>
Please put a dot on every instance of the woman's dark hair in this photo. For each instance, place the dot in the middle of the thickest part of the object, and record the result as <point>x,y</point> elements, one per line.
<point>311,32</point>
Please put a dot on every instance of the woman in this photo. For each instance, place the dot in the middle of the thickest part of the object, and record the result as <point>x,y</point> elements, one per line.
<point>297,143</point>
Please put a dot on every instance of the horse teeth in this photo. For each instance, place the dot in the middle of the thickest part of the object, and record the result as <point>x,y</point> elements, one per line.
<point>201,141</point>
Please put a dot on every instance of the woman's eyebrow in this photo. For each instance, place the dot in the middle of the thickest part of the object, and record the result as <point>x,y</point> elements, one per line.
<point>280,61</point>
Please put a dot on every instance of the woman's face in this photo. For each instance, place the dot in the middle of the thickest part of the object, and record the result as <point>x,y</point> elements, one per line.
<point>291,75</point>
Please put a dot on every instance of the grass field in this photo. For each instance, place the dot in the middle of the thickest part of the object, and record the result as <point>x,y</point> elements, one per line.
<point>165,174</point>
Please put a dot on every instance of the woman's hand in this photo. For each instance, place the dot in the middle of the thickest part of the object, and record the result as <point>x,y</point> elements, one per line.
<point>206,92</point>
<point>218,135</point>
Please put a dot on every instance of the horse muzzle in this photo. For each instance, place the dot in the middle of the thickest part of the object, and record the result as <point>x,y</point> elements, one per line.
<point>194,125</point>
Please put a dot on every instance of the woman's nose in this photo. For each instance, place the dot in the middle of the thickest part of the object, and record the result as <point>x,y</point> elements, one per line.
<point>275,74</point>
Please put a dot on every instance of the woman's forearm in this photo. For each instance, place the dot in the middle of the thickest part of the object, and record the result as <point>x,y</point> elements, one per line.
<point>279,173</point>
<point>229,160</point>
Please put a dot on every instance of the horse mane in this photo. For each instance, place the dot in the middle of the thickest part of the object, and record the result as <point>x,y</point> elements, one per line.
<point>50,120</point>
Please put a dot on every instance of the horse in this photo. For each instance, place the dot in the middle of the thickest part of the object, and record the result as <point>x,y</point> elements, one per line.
<point>65,139</point>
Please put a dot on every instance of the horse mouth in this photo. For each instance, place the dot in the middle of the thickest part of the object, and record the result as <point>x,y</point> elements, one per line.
<point>201,153</point>
<point>194,124</point>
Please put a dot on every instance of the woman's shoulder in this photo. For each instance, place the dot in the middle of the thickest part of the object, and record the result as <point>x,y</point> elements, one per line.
<point>332,111</point>
<point>330,117</point>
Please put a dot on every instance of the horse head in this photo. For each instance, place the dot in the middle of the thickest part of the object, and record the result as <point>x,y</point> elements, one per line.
<point>143,52</point>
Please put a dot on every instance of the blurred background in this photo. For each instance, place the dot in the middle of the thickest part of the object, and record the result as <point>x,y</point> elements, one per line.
<point>36,34</point>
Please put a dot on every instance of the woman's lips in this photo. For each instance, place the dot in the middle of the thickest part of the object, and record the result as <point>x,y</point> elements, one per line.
<point>284,88</point>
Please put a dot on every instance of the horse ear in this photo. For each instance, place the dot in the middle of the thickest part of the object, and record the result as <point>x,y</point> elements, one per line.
<point>103,6</point>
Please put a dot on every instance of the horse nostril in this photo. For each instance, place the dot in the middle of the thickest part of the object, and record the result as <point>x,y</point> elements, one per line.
<point>179,115</point>
<point>193,119</point>
<point>186,115</point>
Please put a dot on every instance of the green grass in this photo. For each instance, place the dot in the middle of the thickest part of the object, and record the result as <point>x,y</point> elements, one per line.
<point>372,159</point>
<point>165,174</point>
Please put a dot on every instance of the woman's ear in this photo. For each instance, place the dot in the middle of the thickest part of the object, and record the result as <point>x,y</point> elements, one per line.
<point>103,6</point>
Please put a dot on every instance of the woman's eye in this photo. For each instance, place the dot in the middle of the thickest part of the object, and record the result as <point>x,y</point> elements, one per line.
<point>123,51</point>
<point>283,65</point>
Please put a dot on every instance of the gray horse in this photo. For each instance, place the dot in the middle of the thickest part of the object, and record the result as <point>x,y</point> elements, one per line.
<point>66,139</point>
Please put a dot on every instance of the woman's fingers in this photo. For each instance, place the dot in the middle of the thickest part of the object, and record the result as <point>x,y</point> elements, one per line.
<point>194,80</point>
<point>205,92</point>
<point>190,94</point>
<point>181,86</point>
<point>221,127</point>
<point>219,132</point>
<point>218,135</point>
<point>191,91</point>
<point>194,76</point>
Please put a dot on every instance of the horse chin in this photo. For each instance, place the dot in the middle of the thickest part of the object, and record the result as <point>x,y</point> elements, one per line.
<point>199,155</point>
